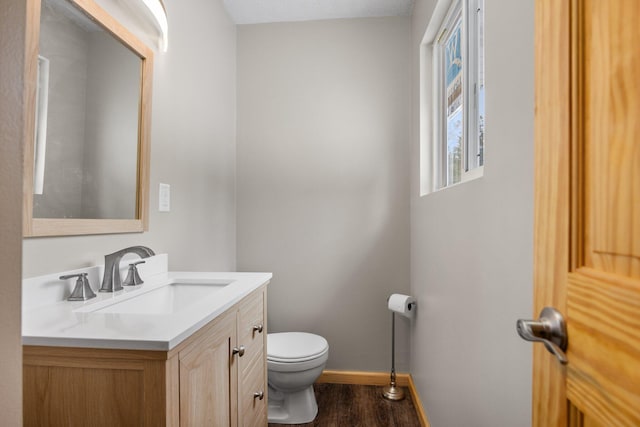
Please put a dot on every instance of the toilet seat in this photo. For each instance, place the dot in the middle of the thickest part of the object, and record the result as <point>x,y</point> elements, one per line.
<point>296,348</point>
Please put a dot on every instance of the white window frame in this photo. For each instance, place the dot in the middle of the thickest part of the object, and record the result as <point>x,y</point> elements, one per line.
<point>433,127</point>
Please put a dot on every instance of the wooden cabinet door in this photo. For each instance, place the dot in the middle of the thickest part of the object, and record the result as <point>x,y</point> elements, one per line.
<point>587,210</point>
<point>208,378</point>
<point>67,386</point>
<point>76,396</point>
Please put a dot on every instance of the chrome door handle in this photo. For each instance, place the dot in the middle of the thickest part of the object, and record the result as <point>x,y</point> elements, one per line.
<point>550,329</point>
<point>258,395</point>
<point>238,350</point>
<point>258,328</point>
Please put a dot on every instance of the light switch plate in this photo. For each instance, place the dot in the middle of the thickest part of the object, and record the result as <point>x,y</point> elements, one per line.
<point>164,201</point>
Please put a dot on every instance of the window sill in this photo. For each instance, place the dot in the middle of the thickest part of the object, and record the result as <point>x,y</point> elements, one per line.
<point>472,175</point>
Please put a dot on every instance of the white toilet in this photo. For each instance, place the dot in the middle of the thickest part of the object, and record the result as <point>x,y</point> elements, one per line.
<point>294,361</point>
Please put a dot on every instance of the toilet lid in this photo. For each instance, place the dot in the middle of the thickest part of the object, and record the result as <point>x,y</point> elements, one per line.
<point>295,346</point>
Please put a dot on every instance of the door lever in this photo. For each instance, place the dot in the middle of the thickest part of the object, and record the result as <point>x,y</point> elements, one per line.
<point>550,329</point>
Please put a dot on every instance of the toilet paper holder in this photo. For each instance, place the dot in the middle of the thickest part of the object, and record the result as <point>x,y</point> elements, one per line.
<point>392,392</point>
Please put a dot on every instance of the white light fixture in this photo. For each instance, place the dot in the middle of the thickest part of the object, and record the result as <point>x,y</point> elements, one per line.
<point>156,7</point>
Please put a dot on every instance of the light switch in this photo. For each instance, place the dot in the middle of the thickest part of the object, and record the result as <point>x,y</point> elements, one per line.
<point>164,201</point>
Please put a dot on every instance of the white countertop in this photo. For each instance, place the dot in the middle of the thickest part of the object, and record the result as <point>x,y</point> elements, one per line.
<point>57,322</point>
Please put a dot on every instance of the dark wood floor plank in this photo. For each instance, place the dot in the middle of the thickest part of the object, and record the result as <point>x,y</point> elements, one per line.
<point>348,412</point>
<point>364,415</point>
<point>379,407</point>
<point>327,406</point>
<point>344,405</point>
<point>405,415</point>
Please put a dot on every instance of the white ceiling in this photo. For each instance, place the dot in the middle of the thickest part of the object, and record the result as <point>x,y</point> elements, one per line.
<point>262,11</point>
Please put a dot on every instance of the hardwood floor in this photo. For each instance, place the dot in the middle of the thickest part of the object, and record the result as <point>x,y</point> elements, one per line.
<point>345,405</point>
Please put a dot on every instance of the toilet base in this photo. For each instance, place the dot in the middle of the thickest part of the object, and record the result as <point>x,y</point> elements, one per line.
<point>292,408</point>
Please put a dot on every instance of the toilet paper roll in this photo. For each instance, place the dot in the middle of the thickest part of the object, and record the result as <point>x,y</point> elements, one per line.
<point>402,304</point>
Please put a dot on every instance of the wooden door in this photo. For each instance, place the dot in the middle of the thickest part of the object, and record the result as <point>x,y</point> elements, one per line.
<point>587,209</point>
<point>208,378</point>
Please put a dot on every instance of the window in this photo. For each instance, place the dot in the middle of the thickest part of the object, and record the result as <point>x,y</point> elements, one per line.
<point>453,102</point>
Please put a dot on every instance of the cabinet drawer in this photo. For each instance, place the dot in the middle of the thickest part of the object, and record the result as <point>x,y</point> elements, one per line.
<point>253,410</point>
<point>251,320</point>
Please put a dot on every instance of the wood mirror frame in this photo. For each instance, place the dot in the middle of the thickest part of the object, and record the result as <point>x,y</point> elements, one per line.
<point>76,226</point>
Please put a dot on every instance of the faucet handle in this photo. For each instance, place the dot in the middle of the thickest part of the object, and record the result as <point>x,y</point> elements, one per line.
<point>82,291</point>
<point>133,278</point>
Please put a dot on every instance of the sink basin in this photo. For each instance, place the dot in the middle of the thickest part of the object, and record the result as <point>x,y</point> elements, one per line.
<point>167,299</point>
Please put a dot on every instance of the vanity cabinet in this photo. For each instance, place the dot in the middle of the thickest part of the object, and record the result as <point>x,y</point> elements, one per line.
<point>215,377</point>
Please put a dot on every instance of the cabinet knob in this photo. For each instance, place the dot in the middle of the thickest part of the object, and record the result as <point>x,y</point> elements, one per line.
<point>258,328</point>
<point>259,395</point>
<point>238,350</point>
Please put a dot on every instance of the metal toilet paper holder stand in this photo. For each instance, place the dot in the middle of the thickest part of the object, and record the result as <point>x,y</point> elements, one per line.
<point>392,392</point>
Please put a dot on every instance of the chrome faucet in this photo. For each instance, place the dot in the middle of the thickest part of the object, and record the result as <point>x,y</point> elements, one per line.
<point>111,282</point>
<point>82,291</point>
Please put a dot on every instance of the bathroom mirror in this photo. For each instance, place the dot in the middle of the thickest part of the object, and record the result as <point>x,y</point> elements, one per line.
<point>87,140</point>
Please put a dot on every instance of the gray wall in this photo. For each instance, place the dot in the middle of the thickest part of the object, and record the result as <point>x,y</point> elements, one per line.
<point>471,246</point>
<point>323,177</point>
<point>192,149</point>
<point>12,38</point>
